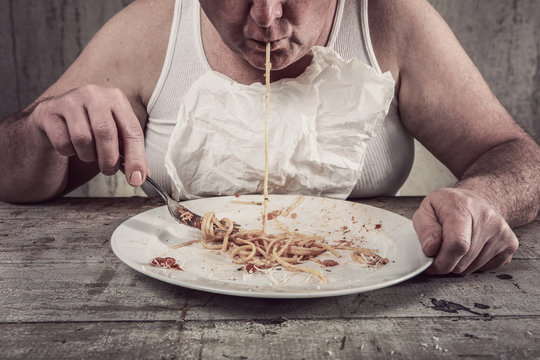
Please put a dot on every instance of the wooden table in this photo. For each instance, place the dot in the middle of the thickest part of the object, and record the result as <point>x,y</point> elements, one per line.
<point>64,294</point>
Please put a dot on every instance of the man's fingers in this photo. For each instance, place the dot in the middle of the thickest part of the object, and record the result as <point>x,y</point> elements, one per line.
<point>473,236</point>
<point>132,141</point>
<point>495,253</point>
<point>80,133</point>
<point>428,228</point>
<point>52,124</point>
<point>457,231</point>
<point>488,228</point>
<point>58,134</point>
<point>106,138</point>
<point>445,231</point>
<point>495,263</point>
<point>96,123</point>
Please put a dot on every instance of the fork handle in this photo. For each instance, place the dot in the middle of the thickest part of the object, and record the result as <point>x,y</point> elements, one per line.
<point>158,188</point>
<point>149,180</point>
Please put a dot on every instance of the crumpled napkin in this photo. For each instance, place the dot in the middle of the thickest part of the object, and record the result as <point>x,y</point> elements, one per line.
<point>319,127</point>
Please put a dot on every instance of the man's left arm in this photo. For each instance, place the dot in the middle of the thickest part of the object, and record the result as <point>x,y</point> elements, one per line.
<point>467,227</point>
<point>446,104</point>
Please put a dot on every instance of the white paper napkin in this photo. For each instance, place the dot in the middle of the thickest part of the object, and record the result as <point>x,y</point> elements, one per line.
<point>319,127</point>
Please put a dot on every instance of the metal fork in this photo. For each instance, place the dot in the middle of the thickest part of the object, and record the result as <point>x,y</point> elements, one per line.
<point>179,213</point>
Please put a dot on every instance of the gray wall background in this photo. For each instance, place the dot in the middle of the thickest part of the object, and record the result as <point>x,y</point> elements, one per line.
<point>40,39</point>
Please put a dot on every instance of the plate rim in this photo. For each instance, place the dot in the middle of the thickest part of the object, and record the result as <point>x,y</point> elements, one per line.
<point>311,293</point>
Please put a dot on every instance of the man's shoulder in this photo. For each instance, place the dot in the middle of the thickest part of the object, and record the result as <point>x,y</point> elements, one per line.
<point>140,26</point>
<point>152,6</point>
<point>135,41</point>
<point>127,52</point>
<point>152,41</point>
<point>397,25</point>
<point>145,18</point>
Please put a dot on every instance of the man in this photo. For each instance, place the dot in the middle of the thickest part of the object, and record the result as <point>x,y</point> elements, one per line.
<point>101,107</point>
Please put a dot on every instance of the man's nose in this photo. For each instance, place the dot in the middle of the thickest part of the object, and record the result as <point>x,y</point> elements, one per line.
<point>264,12</point>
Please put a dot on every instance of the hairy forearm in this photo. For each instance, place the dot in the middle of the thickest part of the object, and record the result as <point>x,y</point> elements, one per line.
<point>508,176</point>
<point>31,168</point>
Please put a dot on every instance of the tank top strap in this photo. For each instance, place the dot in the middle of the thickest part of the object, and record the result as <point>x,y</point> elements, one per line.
<point>184,63</point>
<point>351,32</point>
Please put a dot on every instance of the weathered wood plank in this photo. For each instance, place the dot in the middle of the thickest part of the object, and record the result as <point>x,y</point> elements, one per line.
<point>9,82</point>
<point>64,231</point>
<point>505,338</point>
<point>112,291</point>
<point>372,339</point>
<point>79,229</point>
<point>86,281</point>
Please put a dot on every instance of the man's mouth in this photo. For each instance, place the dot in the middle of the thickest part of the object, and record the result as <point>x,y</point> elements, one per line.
<point>261,45</point>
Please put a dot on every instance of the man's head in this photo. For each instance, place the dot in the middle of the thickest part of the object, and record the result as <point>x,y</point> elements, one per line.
<point>292,27</point>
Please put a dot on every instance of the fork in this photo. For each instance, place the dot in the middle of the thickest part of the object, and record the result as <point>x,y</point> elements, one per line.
<point>179,213</point>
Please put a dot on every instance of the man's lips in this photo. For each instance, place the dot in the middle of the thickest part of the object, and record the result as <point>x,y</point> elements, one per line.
<point>261,45</point>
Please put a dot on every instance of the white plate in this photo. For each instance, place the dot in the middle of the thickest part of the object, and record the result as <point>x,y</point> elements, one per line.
<point>153,234</point>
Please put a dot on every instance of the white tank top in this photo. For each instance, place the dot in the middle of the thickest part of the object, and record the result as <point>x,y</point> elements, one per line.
<point>389,155</point>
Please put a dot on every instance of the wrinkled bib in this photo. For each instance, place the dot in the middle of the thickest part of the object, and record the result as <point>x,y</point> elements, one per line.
<point>318,130</point>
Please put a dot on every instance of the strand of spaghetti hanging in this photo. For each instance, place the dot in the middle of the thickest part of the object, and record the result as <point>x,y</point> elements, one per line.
<point>265,186</point>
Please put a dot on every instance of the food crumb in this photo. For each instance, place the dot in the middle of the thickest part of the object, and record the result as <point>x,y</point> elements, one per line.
<point>251,268</point>
<point>329,263</point>
<point>165,263</point>
<point>273,214</point>
<point>293,215</point>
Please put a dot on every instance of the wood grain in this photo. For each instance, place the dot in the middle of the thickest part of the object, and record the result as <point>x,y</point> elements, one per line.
<point>109,290</point>
<point>65,295</point>
<point>9,89</point>
<point>289,339</point>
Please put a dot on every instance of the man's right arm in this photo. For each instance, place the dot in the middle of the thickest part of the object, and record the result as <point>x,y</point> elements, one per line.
<point>94,112</point>
<point>28,162</point>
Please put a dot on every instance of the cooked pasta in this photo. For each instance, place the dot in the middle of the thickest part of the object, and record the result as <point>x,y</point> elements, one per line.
<point>288,249</point>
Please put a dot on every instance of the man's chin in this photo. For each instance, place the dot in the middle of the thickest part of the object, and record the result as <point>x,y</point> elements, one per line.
<point>279,61</point>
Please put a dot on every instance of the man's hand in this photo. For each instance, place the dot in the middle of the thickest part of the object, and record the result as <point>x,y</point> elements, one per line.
<point>462,232</point>
<point>95,124</point>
